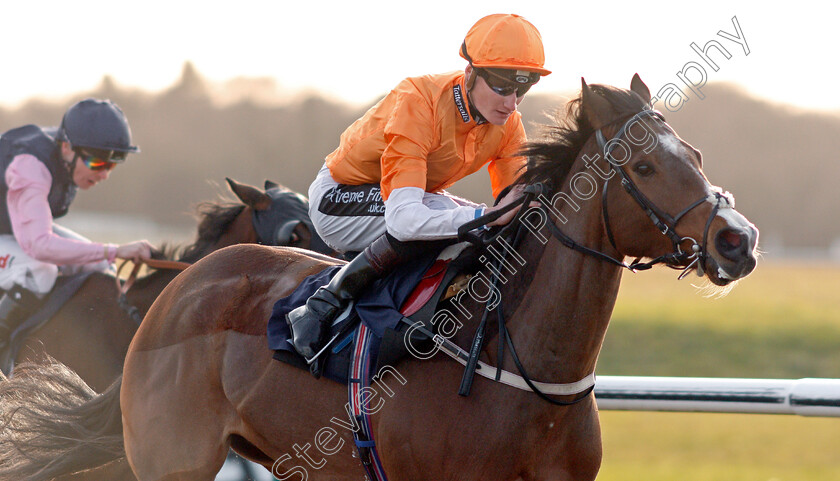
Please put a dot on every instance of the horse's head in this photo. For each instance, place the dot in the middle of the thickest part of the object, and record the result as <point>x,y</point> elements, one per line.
<point>280,216</point>
<point>617,158</point>
<point>656,199</point>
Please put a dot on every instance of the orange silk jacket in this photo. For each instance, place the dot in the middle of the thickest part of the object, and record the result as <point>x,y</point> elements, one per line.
<point>423,135</point>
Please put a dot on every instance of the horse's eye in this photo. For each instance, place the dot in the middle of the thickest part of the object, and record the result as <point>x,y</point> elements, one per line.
<point>294,238</point>
<point>643,169</point>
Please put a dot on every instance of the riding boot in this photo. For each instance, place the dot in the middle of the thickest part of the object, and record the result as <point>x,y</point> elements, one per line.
<point>310,323</point>
<point>16,306</point>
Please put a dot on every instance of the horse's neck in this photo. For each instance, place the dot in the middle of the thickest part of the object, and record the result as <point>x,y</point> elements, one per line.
<point>559,324</point>
<point>147,289</point>
<point>240,231</point>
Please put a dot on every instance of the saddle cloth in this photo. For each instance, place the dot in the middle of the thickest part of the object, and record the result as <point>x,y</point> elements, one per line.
<point>381,309</point>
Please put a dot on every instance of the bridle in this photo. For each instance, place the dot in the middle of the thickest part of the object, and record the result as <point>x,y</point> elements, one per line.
<point>665,223</point>
<point>270,229</point>
<point>275,226</point>
<point>123,287</point>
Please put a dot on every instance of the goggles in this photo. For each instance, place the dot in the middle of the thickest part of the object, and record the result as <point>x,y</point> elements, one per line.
<point>505,82</point>
<point>98,162</point>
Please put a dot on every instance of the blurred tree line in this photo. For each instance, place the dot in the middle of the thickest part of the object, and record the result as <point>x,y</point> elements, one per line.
<point>778,161</point>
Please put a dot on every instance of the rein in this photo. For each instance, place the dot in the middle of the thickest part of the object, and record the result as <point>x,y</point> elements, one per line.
<point>123,287</point>
<point>465,231</point>
<point>581,388</point>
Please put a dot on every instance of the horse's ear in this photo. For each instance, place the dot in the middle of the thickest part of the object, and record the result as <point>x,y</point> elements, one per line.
<point>250,195</point>
<point>597,110</point>
<point>271,185</point>
<point>636,85</point>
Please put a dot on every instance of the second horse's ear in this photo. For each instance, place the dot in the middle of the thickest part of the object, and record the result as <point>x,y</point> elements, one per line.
<point>271,185</point>
<point>636,85</point>
<point>249,195</point>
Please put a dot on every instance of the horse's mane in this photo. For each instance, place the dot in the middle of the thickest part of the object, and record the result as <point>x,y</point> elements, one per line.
<point>214,219</point>
<point>551,155</point>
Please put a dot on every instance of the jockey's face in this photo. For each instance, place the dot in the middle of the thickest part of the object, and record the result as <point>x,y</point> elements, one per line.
<point>494,107</point>
<point>86,177</point>
<point>83,176</point>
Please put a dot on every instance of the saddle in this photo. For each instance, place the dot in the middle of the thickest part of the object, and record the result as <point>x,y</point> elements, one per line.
<point>389,307</point>
<point>65,287</point>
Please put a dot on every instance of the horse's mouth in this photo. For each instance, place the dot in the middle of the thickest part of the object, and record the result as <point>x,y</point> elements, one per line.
<point>718,276</point>
<point>732,254</point>
<point>722,275</point>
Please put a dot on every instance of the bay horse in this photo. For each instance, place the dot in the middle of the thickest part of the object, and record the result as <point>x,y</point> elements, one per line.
<point>90,334</point>
<point>199,379</point>
<point>92,331</point>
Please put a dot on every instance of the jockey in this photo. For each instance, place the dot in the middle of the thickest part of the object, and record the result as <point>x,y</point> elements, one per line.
<point>425,135</point>
<point>42,170</point>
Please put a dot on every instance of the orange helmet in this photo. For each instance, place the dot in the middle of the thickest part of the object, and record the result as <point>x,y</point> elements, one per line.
<point>504,41</point>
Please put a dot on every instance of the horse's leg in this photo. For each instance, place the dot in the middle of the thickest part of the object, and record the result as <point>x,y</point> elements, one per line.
<point>174,414</point>
<point>479,436</point>
<point>181,429</point>
<point>283,414</point>
<point>580,444</point>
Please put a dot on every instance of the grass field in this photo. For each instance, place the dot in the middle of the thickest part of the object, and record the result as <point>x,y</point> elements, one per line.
<point>781,322</point>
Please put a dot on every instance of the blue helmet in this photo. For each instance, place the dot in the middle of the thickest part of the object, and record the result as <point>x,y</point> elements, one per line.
<point>97,124</point>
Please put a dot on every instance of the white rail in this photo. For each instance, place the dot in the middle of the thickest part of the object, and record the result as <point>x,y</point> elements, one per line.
<point>804,397</point>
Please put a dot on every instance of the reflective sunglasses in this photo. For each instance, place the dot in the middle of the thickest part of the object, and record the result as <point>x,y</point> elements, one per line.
<point>95,163</point>
<point>499,82</point>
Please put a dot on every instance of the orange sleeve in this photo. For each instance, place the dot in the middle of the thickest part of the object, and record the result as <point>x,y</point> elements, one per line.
<point>409,135</point>
<point>508,165</point>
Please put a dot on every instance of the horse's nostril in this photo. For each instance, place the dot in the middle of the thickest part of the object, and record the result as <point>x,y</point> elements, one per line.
<point>731,244</point>
<point>732,238</point>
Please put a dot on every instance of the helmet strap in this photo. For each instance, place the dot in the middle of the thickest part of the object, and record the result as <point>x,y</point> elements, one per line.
<point>71,167</point>
<point>469,82</point>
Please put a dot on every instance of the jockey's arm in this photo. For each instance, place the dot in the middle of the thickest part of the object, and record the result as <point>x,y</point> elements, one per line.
<point>29,183</point>
<point>413,214</point>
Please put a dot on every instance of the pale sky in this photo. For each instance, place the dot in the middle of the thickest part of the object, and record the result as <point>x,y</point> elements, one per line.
<point>357,51</point>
